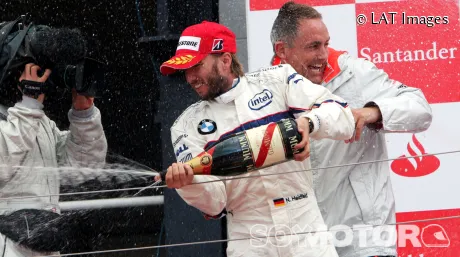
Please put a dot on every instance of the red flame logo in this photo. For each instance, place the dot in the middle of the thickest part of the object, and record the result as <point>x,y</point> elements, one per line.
<point>425,164</point>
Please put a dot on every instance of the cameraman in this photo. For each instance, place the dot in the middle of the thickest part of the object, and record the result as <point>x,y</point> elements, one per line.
<point>30,139</point>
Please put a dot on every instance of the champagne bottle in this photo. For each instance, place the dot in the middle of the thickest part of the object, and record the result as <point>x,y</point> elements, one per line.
<point>248,150</point>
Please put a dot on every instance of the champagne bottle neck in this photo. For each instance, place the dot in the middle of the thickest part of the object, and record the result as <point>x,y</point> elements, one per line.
<point>202,164</point>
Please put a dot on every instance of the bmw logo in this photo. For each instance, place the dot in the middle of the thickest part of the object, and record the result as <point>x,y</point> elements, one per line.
<point>206,127</point>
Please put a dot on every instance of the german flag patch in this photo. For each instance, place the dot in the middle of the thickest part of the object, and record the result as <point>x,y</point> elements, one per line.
<point>279,202</point>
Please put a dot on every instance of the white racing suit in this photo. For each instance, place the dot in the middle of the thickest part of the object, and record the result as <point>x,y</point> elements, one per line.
<point>30,139</point>
<point>257,99</point>
<point>361,195</point>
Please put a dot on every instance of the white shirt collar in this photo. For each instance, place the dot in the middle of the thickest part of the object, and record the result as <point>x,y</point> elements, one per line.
<point>232,94</point>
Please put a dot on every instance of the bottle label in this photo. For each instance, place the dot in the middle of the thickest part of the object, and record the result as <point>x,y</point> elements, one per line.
<point>246,151</point>
<point>267,145</point>
<point>290,136</point>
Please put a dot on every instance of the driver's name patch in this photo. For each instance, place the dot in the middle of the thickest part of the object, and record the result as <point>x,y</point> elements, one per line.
<point>279,202</point>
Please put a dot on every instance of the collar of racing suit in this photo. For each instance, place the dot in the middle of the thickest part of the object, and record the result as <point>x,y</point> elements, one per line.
<point>337,71</point>
<point>231,94</point>
<point>333,68</point>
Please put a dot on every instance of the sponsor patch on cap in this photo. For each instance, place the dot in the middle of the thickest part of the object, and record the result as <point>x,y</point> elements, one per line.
<point>189,43</point>
<point>218,45</point>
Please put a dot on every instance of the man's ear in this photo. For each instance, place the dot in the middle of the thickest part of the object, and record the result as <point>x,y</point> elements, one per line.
<point>226,59</point>
<point>280,49</point>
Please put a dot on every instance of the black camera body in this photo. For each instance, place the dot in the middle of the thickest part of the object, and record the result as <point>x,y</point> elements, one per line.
<point>62,50</point>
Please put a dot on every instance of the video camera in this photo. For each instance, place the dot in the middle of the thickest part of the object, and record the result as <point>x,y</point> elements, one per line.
<point>62,50</point>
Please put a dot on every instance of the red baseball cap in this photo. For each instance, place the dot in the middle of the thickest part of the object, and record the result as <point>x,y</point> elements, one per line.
<point>196,42</point>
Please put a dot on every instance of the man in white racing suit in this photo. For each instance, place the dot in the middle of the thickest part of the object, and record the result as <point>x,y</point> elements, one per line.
<point>261,206</point>
<point>29,139</point>
<point>358,196</point>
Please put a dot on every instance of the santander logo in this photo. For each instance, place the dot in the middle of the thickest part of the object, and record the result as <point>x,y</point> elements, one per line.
<point>417,166</point>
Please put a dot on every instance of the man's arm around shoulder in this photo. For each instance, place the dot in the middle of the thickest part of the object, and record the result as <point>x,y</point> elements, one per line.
<point>402,108</point>
<point>330,114</point>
